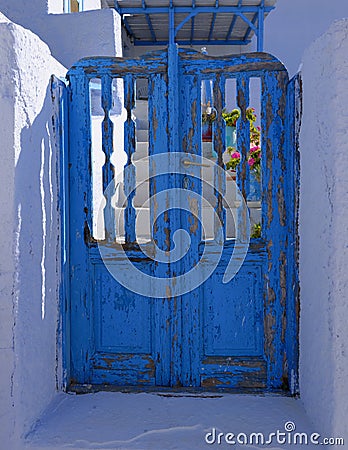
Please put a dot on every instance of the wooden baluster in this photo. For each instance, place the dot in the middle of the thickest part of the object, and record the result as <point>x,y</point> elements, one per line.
<point>219,148</point>
<point>108,168</point>
<point>243,147</point>
<point>129,172</point>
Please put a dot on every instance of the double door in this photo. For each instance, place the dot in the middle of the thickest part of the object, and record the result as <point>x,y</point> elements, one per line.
<point>170,286</point>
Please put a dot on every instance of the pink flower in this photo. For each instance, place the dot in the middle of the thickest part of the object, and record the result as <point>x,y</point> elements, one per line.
<point>235,155</point>
<point>251,162</point>
<point>253,149</point>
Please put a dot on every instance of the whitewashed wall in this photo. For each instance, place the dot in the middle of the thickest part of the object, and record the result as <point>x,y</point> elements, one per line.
<point>74,36</point>
<point>89,5</point>
<point>57,6</point>
<point>324,232</point>
<point>29,237</point>
<point>69,36</point>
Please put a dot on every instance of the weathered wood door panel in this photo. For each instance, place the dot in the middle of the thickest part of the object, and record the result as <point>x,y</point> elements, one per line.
<point>137,317</point>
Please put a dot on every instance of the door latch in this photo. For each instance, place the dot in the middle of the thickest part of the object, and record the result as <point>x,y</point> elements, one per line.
<point>187,162</point>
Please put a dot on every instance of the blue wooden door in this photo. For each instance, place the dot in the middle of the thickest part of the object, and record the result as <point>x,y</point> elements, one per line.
<point>192,302</point>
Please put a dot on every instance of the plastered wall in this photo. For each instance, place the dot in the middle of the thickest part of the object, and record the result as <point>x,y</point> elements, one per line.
<point>324,232</point>
<point>69,36</point>
<point>29,237</point>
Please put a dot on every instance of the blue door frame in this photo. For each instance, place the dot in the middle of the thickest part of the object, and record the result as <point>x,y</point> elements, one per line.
<point>178,342</point>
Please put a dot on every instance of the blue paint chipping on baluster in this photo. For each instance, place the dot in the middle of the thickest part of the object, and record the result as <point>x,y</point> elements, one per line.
<point>219,140</point>
<point>243,134</point>
<point>108,168</point>
<point>129,146</point>
<point>243,145</point>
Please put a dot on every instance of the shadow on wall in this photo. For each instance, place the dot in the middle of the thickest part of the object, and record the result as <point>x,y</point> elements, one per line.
<point>37,250</point>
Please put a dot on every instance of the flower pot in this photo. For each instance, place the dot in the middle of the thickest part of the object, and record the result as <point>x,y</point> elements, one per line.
<point>233,175</point>
<point>207,132</point>
<point>231,136</point>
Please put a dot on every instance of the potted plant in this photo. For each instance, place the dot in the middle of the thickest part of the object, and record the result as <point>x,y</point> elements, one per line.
<point>253,156</point>
<point>208,117</point>
<point>230,119</point>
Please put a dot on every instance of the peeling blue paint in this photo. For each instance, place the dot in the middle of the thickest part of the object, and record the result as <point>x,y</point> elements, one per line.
<point>239,335</point>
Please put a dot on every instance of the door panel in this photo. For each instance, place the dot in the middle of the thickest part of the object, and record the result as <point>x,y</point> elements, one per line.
<point>233,323</point>
<point>116,317</point>
<point>217,334</point>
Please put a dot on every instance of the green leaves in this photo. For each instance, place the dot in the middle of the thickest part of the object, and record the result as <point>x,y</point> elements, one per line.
<point>256,231</point>
<point>231,117</point>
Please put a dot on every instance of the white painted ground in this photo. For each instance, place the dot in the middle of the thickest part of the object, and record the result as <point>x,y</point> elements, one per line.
<point>156,422</point>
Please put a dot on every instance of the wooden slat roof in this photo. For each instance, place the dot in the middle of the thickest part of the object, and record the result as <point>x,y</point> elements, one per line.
<point>210,22</point>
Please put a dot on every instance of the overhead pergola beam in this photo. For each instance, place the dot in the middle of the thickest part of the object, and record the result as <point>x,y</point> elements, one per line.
<point>249,30</point>
<point>230,30</point>
<point>149,23</point>
<point>193,22</point>
<point>213,21</point>
<point>260,28</point>
<point>194,42</point>
<point>124,20</point>
<point>256,24</point>
<point>188,9</point>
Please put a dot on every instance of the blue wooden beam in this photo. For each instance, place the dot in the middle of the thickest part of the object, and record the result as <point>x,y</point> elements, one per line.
<point>233,22</point>
<point>193,22</point>
<point>260,27</point>
<point>117,7</point>
<point>149,23</point>
<point>249,22</point>
<point>172,31</point>
<point>189,9</point>
<point>182,23</point>
<point>194,42</point>
<point>124,20</point>
<point>247,34</point>
<point>192,28</point>
<point>213,22</point>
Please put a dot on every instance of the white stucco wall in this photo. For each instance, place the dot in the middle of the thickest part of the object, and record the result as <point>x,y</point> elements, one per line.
<point>324,232</point>
<point>69,36</point>
<point>29,238</point>
<point>21,8</point>
<point>74,36</point>
<point>89,5</point>
<point>57,6</point>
